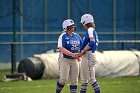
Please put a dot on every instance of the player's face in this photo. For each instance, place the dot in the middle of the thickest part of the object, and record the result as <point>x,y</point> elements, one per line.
<point>71,28</point>
<point>85,27</point>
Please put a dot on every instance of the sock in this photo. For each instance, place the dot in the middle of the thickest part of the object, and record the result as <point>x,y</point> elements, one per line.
<point>59,87</point>
<point>73,88</point>
<point>96,87</point>
<point>84,88</point>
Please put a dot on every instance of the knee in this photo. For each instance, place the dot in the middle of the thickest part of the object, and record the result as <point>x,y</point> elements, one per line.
<point>84,81</point>
<point>74,82</point>
<point>63,81</point>
<point>92,81</point>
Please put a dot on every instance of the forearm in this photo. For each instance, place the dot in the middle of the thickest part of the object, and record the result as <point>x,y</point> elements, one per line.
<point>89,45</point>
<point>66,52</point>
<point>86,48</point>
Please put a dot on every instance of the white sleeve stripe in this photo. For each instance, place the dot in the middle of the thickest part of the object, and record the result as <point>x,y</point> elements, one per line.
<point>90,32</point>
<point>59,43</point>
<point>60,40</point>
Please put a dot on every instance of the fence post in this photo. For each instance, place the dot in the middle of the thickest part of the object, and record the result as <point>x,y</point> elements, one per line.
<point>13,45</point>
<point>122,46</point>
<point>13,58</point>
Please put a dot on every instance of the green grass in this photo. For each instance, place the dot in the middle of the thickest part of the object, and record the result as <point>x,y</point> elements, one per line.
<point>108,85</point>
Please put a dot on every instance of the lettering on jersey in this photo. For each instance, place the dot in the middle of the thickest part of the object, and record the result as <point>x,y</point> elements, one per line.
<point>73,42</point>
<point>67,38</point>
<point>68,42</point>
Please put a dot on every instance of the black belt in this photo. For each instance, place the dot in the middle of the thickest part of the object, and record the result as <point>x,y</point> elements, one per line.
<point>69,58</point>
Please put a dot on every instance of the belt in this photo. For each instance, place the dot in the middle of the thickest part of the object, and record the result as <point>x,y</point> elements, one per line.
<point>68,58</point>
<point>90,51</point>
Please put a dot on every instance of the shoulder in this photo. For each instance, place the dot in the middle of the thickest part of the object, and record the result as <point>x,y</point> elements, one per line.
<point>91,30</point>
<point>76,34</point>
<point>63,34</point>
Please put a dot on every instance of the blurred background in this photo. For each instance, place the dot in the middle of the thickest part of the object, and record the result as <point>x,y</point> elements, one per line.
<point>30,27</point>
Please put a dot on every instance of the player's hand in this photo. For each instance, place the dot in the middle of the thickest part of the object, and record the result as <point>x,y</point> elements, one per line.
<point>80,54</point>
<point>76,56</point>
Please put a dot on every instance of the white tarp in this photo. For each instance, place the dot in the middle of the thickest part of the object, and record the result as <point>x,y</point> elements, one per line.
<point>50,61</point>
<point>109,64</point>
<point>117,64</point>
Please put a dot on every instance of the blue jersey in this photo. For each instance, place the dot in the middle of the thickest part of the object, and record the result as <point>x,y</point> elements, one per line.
<point>71,43</point>
<point>90,33</point>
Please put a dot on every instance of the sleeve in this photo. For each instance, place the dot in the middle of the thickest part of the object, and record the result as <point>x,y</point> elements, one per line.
<point>90,32</point>
<point>81,41</point>
<point>97,40</point>
<point>60,41</point>
<point>91,44</point>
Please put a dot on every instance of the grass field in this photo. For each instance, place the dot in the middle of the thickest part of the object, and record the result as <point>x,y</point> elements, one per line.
<point>108,85</point>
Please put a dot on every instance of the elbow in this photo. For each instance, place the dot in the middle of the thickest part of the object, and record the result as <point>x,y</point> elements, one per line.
<point>60,49</point>
<point>91,44</point>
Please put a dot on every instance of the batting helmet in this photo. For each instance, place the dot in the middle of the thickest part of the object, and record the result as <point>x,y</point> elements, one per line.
<point>67,23</point>
<point>86,18</point>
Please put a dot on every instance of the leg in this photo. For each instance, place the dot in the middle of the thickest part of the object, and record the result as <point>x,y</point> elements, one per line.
<point>83,77</point>
<point>92,79</point>
<point>84,88</point>
<point>64,74</point>
<point>73,88</point>
<point>96,87</point>
<point>74,73</point>
<point>59,87</point>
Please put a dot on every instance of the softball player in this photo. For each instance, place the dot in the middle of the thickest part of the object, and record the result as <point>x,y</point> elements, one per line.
<point>69,45</point>
<point>90,42</point>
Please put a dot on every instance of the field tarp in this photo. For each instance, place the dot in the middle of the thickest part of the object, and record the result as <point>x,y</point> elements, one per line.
<point>109,63</point>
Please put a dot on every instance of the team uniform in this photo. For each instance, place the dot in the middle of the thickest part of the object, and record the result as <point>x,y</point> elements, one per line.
<point>87,71</point>
<point>68,66</point>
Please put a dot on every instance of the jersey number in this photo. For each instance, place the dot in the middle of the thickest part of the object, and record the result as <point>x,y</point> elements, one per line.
<point>74,47</point>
